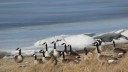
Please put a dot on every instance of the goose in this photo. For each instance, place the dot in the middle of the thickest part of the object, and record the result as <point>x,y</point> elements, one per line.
<point>18,58</point>
<point>99,41</point>
<point>86,51</point>
<point>119,52</point>
<point>46,59</point>
<point>69,58</point>
<point>91,49</point>
<point>71,52</point>
<point>104,58</point>
<point>47,54</point>
<point>56,53</point>
<point>36,61</point>
<point>65,48</point>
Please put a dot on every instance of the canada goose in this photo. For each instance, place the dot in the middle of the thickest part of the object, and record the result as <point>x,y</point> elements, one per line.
<point>65,48</point>
<point>119,52</point>
<point>104,58</point>
<point>47,54</point>
<point>18,58</point>
<point>46,59</point>
<point>56,53</point>
<point>37,61</point>
<point>99,41</point>
<point>86,51</point>
<point>69,58</point>
<point>71,52</point>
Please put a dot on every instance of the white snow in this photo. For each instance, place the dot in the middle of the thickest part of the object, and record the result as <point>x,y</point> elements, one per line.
<point>119,31</point>
<point>77,41</point>
<point>125,33</point>
<point>39,43</point>
<point>80,41</point>
<point>121,40</point>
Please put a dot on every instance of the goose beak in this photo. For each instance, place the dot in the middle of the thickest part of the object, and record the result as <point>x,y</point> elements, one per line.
<point>33,55</point>
<point>40,51</point>
<point>17,48</point>
<point>94,44</point>
<point>62,43</point>
<point>58,40</point>
<point>44,43</point>
<point>52,42</point>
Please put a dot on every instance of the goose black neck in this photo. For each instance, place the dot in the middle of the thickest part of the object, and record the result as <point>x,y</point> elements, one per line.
<point>97,47</point>
<point>70,48</point>
<point>20,52</point>
<point>86,51</point>
<point>99,42</point>
<point>63,55</point>
<point>46,47</point>
<point>54,45</point>
<point>35,57</point>
<point>114,44</point>
<point>43,54</point>
<point>65,48</point>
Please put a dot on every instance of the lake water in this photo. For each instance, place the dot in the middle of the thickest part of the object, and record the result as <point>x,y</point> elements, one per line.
<point>23,22</point>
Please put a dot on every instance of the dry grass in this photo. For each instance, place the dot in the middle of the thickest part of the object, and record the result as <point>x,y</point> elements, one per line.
<point>88,63</point>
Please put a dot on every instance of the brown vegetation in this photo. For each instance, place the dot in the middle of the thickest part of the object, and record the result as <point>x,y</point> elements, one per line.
<point>88,63</point>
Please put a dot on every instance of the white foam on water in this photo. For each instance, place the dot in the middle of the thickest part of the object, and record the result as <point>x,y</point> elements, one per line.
<point>78,42</point>
<point>39,43</point>
<point>125,33</point>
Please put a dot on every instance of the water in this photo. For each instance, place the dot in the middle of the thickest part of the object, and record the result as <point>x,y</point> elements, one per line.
<point>23,22</point>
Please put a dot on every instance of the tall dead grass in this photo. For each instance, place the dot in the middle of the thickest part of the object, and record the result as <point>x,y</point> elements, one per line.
<point>88,63</point>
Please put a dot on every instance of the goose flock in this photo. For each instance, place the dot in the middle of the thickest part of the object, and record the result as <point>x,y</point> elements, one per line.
<point>86,44</point>
<point>68,55</point>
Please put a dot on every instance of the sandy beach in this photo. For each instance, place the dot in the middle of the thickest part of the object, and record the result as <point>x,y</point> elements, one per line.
<point>88,63</point>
